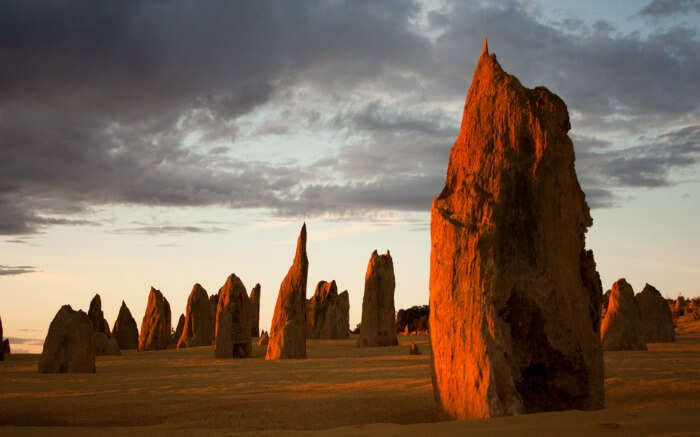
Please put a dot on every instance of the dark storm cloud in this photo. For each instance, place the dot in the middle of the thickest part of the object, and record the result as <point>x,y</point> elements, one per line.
<point>129,60</point>
<point>16,270</point>
<point>376,116</point>
<point>651,165</point>
<point>170,230</point>
<point>97,100</point>
<point>662,8</point>
<point>645,79</point>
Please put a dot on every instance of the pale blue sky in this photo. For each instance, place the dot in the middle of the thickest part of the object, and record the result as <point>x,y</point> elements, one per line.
<point>167,160</point>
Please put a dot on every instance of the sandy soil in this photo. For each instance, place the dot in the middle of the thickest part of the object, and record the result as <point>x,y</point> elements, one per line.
<point>339,390</point>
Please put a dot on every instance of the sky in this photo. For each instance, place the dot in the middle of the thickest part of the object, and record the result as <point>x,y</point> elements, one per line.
<point>152,143</point>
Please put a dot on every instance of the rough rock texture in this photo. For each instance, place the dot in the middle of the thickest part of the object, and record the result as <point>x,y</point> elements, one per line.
<point>97,318</point>
<point>255,311</point>
<point>106,345</point>
<point>155,327</point>
<point>198,329</point>
<point>214,303</point>
<point>264,339</point>
<point>678,307</point>
<point>693,308</point>
<point>604,304</point>
<point>414,350</point>
<point>378,326</point>
<point>657,324</point>
<point>328,313</point>
<point>514,296</point>
<point>175,336</point>
<point>233,321</point>
<point>288,330</point>
<point>622,326</point>
<point>69,345</point>
<point>125,330</point>
<point>412,319</point>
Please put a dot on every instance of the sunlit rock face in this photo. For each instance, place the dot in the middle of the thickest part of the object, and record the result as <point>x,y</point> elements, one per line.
<point>288,329</point>
<point>233,321</point>
<point>622,325</point>
<point>378,326</point>
<point>69,346</point>
<point>327,312</point>
<point>155,327</point>
<point>657,323</point>
<point>198,326</point>
<point>514,296</point>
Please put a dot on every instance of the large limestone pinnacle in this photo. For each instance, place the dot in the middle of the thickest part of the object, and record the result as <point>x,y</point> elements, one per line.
<point>514,295</point>
<point>288,330</point>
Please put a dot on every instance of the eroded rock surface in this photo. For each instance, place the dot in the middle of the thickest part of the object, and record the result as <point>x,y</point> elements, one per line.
<point>155,326</point>
<point>69,346</point>
<point>378,326</point>
<point>328,313</point>
<point>175,336</point>
<point>106,345</point>
<point>233,321</point>
<point>255,311</point>
<point>97,318</point>
<point>125,330</point>
<point>622,326</point>
<point>198,326</point>
<point>214,303</point>
<point>657,324</point>
<point>515,298</point>
<point>288,329</point>
<point>264,339</point>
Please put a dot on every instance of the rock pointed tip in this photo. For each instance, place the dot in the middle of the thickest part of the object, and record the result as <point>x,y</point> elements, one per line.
<point>302,234</point>
<point>485,49</point>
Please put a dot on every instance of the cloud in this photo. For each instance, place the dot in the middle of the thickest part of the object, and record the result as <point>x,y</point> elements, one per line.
<point>169,230</point>
<point>115,89</point>
<point>651,165</point>
<point>149,103</point>
<point>16,270</point>
<point>663,8</point>
<point>26,341</point>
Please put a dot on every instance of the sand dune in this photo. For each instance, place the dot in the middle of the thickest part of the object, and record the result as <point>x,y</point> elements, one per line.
<point>339,390</point>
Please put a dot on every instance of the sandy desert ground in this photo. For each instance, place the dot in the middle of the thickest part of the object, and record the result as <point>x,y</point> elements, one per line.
<point>339,390</point>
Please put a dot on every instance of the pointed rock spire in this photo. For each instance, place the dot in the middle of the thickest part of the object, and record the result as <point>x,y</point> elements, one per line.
<point>288,330</point>
<point>125,330</point>
<point>485,49</point>
<point>198,327</point>
<point>155,326</point>
<point>508,250</point>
